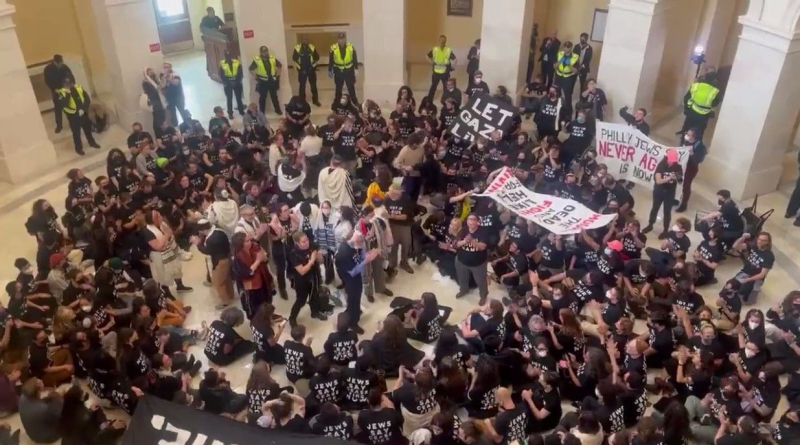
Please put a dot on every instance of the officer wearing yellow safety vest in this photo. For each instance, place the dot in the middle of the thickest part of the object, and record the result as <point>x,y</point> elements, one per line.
<point>230,71</point>
<point>566,72</point>
<point>699,102</point>
<point>75,101</point>
<point>343,67</point>
<point>305,59</point>
<point>267,71</point>
<point>443,61</point>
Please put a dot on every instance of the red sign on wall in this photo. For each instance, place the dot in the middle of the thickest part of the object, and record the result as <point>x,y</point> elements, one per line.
<point>248,33</point>
<point>155,47</point>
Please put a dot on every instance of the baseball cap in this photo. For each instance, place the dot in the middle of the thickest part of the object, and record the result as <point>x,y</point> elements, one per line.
<point>56,258</point>
<point>672,156</point>
<point>615,245</point>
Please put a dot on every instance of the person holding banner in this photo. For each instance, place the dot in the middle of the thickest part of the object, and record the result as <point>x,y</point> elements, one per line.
<point>471,259</point>
<point>636,120</point>
<point>667,176</point>
<point>697,153</point>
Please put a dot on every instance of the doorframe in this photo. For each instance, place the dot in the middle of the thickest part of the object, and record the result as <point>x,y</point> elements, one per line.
<point>171,48</point>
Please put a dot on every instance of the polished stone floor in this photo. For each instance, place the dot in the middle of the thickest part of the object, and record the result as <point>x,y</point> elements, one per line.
<point>203,94</point>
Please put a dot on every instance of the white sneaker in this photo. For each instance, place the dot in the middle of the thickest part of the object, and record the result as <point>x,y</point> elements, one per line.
<point>186,256</point>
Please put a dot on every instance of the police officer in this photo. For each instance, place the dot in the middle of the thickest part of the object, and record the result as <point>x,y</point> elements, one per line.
<point>305,59</point>
<point>230,70</point>
<point>343,67</point>
<point>443,61</point>
<point>567,72</point>
<point>75,103</point>
<point>702,96</point>
<point>267,71</point>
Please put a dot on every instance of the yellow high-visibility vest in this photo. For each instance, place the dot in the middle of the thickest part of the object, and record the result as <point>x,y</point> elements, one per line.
<point>342,63</point>
<point>311,50</point>
<point>441,59</point>
<point>230,70</point>
<point>702,97</point>
<point>71,107</point>
<point>564,69</point>
<point>261,68</point>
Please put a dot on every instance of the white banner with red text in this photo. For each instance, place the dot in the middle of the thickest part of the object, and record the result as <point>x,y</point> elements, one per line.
<point>631,155</point>
<point>558,215</point>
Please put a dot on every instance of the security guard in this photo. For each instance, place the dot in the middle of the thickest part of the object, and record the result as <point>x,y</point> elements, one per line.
<point>75,103</point>
<point>567,72</point>
<point>230,70</point>
<point>343,67</point>
<point>305,59</point>
<point>267,71</point>
<point>443,61</point>
<point>702,96</point>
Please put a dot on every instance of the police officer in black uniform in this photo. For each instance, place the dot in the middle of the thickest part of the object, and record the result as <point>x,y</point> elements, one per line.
<point>305,59</point>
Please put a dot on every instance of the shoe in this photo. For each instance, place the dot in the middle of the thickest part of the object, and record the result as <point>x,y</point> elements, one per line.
<point>387,292</point>
<point>279,113</point>
<point>681,208</point>
<point>796,222</point>
<point>58,130</point>
<point>391,273</point>
<point>327,313</point>
<point>316,102</point>
<point>195,368</point>
<point>407,268</point>
<point>788,215</point>
<point>207,283</point>
<point>421,259</point>
<point>460,295</point>
<point>340,287</point>
<point>370,298</point>
<point>359,330</point>
<point>284,296</point>
<point>319,316</point>
<point>95,145</point>
<point>482,301</point>
<point>230,116</point>
<point>648,229</point>
<point>663,235</point>
<point>80,152</point>
<point>292,322</point>
<point>185,289</point>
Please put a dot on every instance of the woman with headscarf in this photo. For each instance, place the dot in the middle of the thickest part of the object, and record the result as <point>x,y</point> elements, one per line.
<point>155,100</point>
<point>251,273</point>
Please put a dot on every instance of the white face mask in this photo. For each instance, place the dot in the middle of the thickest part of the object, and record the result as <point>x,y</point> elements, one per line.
<point>607,251</point>
<point>326,212</point>
<point>676,228</point>
<point>86,308</point>
<point>609,294</point>
<point>752,325</point>
<point>541,353</point>
<point>749,353</point>
<point>557,296</point>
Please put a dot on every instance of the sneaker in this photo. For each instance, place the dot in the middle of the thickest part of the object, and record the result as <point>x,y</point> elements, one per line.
<point>370,298</point>
<point>387,292</point>
<point>407,268</point>
<point>647,229</point>
<point>292,322</point>
<point>460,295</point>
<point>184,289</point>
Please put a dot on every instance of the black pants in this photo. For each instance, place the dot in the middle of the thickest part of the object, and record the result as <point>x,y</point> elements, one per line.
<point>240,349</point>
<point>531,67</point>
<point>548,73</point>
<point>58,110</point>
<point>175,109</point>
<point>271,89</point>
<point>794,200</point>
<point>159,114</point>
<point>697,121</point>
<point>329,268</point>
<point>280,269</point>
<point>435,79</point>
<point>307,290</point>
<point>234,89</point>
<point>76,124</point>
<point>340,78</point>
<point>583,76</point>
<point>311,78</point>
<point>666,199</point>
<point>567,86</point>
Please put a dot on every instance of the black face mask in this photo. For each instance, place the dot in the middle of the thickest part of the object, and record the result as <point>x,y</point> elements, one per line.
<point>720,201</point>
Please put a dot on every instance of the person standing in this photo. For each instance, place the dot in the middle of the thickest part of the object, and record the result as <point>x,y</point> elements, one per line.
<point>547,57</point>
<point>636,120</point>
<point>305,59</point>
<point>473,61</point>
<point>667,176</point>
<point>54,74</point>
<point>401,215</point>
<point>409,161</point>
<point>351,258</point>
<point>532,53</point>
<point>75,101</point>
<point>471,258</point>
<point>267,71</point>
<point>567,72</point>
<point>230,71</point>
<point>697,153</point>
<point>343,67</point>
<point>444,61</point>
<point>173,91</point>
<point>304,261</point>
<point>585,52</point>
<point>211,20</point>
<point>699,102</point>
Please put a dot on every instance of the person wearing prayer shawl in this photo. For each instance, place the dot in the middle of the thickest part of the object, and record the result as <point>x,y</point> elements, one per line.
<point>335,186</point>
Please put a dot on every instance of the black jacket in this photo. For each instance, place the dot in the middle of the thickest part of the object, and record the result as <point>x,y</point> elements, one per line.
<point>551,51</point>
<point>54,76</point>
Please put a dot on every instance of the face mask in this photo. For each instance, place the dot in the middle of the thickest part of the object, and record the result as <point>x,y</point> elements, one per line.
<point>688,141</point>
<point>609,294</point>
<point>752,325</point>
<point>749,353</point>
<point>541,353</point>
<point>478,79</point>
<point>557,296</point>
<point>86,308</point>
<point>28,270</point>
<point>707,341</point>
<point>720,201</point>
<point>581,119</point>
<point>343,102</point>
<point>326,212</point>
<point>607,251</point>
<point>676,228</point>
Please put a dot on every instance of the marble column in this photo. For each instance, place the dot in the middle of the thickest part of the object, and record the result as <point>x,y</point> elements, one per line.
<point>384,50</point>
<point>265,19</point>
<point>633,46</point>
<point>758,113</point>
<point>505,41</point>
<point>25,149</point>
<point>130,42</point>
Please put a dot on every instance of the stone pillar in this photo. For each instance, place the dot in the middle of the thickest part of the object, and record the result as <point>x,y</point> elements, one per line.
<point>263,19</point>
<point>505,41</point>
<point>633,46</point>
<point>384,50</point>
<point>129,38</point>
<point>23,136</point>
<point>758,113</point>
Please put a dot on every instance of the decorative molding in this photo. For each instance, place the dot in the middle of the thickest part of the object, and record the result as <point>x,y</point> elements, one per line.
<point>769,36</point>
<point>110,3</point>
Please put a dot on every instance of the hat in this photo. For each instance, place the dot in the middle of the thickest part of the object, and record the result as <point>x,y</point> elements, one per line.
<point>615,245</point>
<point>222,195</point>
<point>56,258</point>
<point>115,263</point>
<point>672,156</point>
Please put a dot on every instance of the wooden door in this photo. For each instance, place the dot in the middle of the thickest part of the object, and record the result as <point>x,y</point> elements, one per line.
<point>174,26</point>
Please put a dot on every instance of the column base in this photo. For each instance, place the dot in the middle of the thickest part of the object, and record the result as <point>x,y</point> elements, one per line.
<point>718,172</point>
<point>383,93</point>
<point>18,168</point>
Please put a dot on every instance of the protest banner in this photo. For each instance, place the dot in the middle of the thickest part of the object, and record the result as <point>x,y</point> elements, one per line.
<point>482,115</point>
<point>558,215</point>
<point>631,155</point>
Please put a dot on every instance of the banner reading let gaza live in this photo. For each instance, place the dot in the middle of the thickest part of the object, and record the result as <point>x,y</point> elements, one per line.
<point>482,115</point>
<point>631,155</point>
<point>558,215</point>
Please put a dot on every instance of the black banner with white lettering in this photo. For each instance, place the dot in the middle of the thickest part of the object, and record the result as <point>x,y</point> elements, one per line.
<point>158,421</point>
<point>482,115</point>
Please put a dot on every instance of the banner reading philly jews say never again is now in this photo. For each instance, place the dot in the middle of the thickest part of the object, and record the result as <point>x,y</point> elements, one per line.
<point>631,155</point>
<point>558,215</point>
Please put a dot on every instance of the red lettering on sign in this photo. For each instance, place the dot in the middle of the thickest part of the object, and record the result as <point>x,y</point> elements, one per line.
<point>603,150</point>
<point>648,163</point>
<point>248,33</point>
<point>155,47</point>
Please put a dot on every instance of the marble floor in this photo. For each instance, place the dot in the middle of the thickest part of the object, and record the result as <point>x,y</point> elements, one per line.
<point>203,94</point>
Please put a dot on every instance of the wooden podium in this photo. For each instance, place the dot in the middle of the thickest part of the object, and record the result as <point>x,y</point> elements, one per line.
<point>216,42</point>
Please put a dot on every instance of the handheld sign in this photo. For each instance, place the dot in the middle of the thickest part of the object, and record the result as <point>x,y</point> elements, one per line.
<point>482,115</point>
